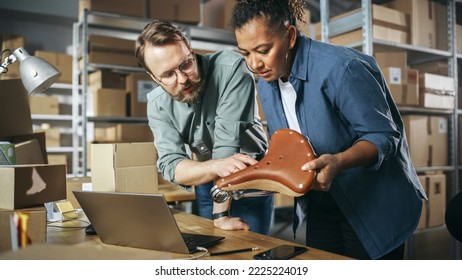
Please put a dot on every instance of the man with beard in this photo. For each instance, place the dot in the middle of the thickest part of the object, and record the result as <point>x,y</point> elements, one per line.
<point>208,103</point>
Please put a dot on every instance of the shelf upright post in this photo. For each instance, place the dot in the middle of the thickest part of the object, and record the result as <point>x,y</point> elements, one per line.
<point>84,46</point>
<point>325,21</point>
<point>366,10</point>
<point>453,121</point>
<point>76,168</point>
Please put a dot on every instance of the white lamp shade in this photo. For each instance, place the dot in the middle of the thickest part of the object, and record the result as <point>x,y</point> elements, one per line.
<point>37,75</point>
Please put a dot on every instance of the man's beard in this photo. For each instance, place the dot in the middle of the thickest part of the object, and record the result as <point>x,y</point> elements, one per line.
<point>192,96</point>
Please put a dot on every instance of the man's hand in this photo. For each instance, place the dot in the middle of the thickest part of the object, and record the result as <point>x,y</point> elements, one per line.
<point>224,167</point>
<point>231,223</point>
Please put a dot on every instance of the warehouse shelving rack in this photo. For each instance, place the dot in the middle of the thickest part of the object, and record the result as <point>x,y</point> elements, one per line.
<point>416,55</point>
<point>124,27</point>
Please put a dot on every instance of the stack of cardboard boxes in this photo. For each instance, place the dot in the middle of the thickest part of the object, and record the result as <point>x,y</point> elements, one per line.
<point>185,11</point>
<point>27,181</point>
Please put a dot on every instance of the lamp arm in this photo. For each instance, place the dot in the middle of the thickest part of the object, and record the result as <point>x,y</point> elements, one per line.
<point>8,60</point>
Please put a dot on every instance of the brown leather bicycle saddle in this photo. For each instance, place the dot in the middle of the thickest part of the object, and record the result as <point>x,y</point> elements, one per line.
<point>279,170</point>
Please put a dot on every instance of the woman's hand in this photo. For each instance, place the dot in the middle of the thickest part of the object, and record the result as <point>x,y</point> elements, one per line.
<point>326,168</point>
<point>231,223</point>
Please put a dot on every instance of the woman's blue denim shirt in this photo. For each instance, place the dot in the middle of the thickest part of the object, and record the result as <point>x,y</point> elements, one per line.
<point>343,98</point>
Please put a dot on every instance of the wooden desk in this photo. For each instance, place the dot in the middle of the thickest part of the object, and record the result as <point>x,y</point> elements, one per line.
<point>74,244</point>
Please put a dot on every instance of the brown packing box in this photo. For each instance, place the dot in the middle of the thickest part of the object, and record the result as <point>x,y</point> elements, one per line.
<point>441,26</point>
<point>30,151</point>
<point>393,59</point>
<point>124,167</point>
<point>31,185</point>
<point>188,11</point>
<point>459,38</point>
<point>422,20</point>
<point>15,116</point>
<point>75,184</point>
<point>110,50</point>
<point>395,84</point>
<point>12,42</point>
<point>388,24</point>
<point>106,79</point>
<point>412,87</point>
<point>130,133</point>
<point>124,133</point>
<point>428,139</point>
<point>434,208</point>
<point>36,226</point>
<point>138,86</point>
<point>52,135</point>
<point>61,159</point>
<point>433,67</point>
<point>62,61</point>
<point>44,104</point>
<point>109,103</point>
<point>135,8</point>
<point>436,91</point>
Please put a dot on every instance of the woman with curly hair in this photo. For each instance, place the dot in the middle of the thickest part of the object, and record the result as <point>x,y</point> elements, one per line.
<point>367,199</point>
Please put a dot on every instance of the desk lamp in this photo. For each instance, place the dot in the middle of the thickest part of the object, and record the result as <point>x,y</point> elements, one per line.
<point>36,74</point>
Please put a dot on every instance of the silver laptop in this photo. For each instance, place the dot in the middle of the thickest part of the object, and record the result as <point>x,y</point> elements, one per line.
<point>138,220</point>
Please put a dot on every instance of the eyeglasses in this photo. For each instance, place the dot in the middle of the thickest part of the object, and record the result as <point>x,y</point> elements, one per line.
<point>171,77</point>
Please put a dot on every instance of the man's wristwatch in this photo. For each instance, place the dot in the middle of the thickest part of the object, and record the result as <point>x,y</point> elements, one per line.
<point>220,214</point>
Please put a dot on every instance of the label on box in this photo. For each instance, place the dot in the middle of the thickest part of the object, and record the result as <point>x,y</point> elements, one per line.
<point>7,153</point>
<point>395,75</point>
<point>144,87</point>
<point>442,126</point>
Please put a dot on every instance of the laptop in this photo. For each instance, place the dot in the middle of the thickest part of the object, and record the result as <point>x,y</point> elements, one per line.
<point>138,220</point>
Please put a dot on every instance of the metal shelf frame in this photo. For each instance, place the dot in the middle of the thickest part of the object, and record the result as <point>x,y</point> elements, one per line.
<point>123,27</point>
<point>363,19</point>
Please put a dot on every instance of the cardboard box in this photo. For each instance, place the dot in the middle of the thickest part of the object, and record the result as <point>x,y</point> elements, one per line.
<point>436,91</point>
<point>111,50</point>
<point>433,67</point>
<point>12,42</point>
<point>75,184</point>
<point>124,133</point>
<point>433,209</point>
<point>106,79</point>
<point>31,185</point>
<point>28,152</point>
<point>428,139</point>
<point>422,20</point>
<point>61,159</point>
<point>52,135</point>
<point>393,59</point>
<point>412,88</point>
<point>36,226</point>
<point>109,103</point>
<point>44,104</point>
<point>138,86</point>
<point>394,81</point>
<point>387,24</point>
<point>459,38</point>
<point>188,11</point>
<point>124,167</point>
<point>15,117</point>
<point>62,61</point>
<point>136,8</point>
